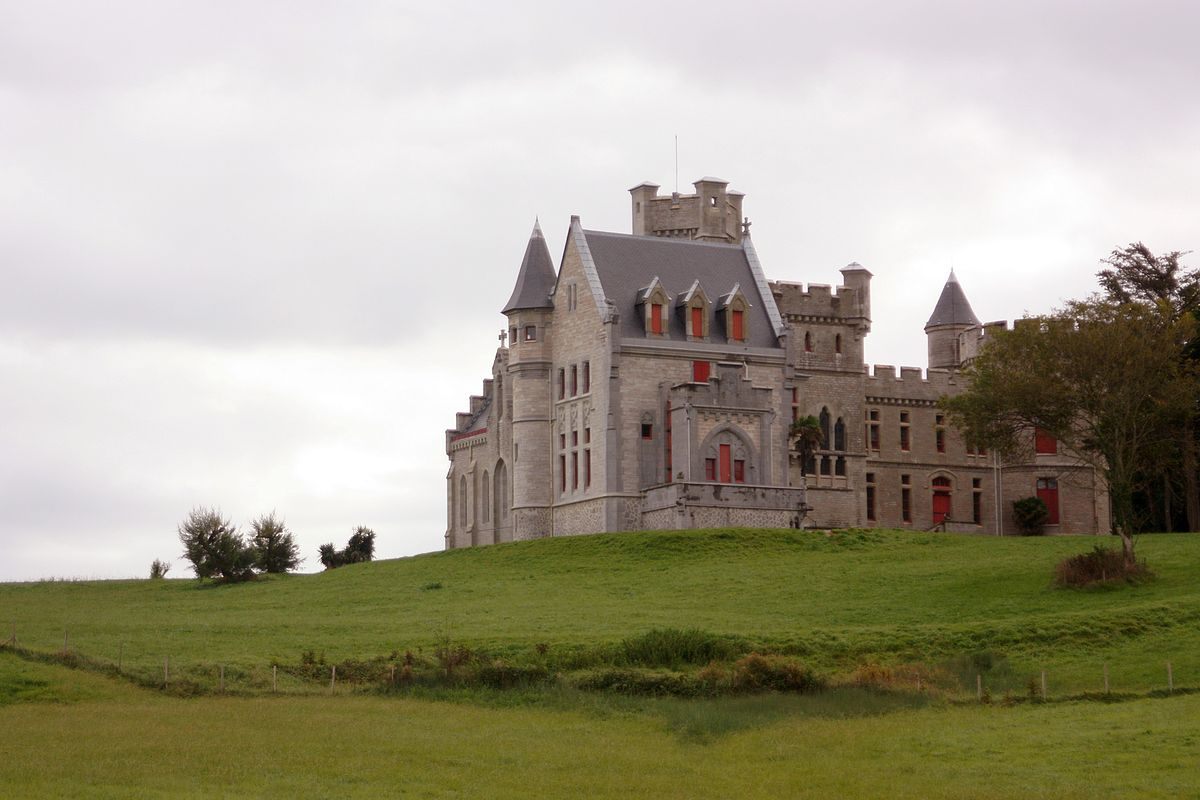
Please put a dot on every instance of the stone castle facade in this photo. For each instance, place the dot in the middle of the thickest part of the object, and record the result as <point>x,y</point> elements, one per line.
<point>649,382</point>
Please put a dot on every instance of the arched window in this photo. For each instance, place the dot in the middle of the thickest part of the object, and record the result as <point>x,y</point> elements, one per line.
<point>462,501</point>
<point>501,493</point>
<point>824,419</point>
<point>485,503</point>
<point>839,435</point>
<point>807,342</point>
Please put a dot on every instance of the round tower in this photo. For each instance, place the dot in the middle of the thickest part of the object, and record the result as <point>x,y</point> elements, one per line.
<point>951,316</point>
<point>529,312</point>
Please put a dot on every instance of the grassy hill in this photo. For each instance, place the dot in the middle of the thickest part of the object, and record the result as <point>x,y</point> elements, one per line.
<point>835,600</point>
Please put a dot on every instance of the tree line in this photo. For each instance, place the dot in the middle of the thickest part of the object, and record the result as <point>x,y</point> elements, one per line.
<point>217,550</point>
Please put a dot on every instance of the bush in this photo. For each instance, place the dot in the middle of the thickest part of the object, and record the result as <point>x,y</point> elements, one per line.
<point>1030,514</point>
<point>501,674</point>
<point>1100,565</point>
<point>360,548</point>
<point>757,672</point>
<point>669,647</point>
<point>159,569</point>
<point>640,683</point>
<point>215,548</point>
<point>274,548</point>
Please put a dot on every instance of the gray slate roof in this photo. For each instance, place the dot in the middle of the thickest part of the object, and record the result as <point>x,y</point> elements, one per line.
<point>952,307</point>
<point>535,280</point>
<point>627,264</point>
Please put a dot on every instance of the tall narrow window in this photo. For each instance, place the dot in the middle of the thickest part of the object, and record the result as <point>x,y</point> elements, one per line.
<point>574,470</point>
<point>485,504</point>
<point>697,321</point>
<point>976,500</point>
<point>795,404</point>
<point>941,499</point>
<point>837,344</point>
<point>1047,492</point>
<point>870,496</point>
<point>667,438</point>
<point>739,324</point>
<point>587,377</point>
<point>905,499</point>
<point>824,421</point>
<point>839,435</point>
<point>905,444</point>
<point>574,380</point>
<point>587,468</point>
<point>873,429</point>
<point>807,342</point>
<point>710,469</point>
<point>739,471</point>
<point>700,372</point>
<point>562,384</point>
<point>562,474</point>
<point>656,318</point>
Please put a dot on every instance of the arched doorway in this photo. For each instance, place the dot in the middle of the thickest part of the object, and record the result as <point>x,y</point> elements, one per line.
<point>941,499</point>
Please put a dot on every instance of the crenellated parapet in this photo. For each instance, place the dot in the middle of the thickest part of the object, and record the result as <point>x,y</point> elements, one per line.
<point>471,424</point>
<point>913,386</point>
<point>972,341</point>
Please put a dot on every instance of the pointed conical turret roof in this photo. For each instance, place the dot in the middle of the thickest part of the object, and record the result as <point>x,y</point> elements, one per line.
<point>535,280</point>
<point>952,307</point>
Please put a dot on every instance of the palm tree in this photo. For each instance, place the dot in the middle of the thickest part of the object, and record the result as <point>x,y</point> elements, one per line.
<point>808,438</point>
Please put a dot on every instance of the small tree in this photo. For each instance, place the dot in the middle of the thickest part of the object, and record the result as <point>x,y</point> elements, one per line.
<point>159,569</point>
<point>806,433</point>
<point>214,547</point>
<point>360,548</point>
<point>274,547</point>
<point>1030,514</point>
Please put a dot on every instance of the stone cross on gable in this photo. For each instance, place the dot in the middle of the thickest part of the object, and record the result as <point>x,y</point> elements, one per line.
<point>503,335</point>
<point>746,226</point>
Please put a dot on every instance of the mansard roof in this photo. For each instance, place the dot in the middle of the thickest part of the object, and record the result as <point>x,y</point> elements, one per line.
<point>535,279</point>
<point>625,264</point>
<point>952,307</point>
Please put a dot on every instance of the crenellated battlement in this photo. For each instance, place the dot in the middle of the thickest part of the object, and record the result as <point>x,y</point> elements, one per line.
<point>815,300</point>
<point>912,383</point>
<point>972,341</point>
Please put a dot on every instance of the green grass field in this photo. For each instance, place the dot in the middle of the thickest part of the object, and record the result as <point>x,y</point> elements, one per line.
<point>837,601</point>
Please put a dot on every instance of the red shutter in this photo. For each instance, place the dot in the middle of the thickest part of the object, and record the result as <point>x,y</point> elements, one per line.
<point>656,317</point>
<point>941,506</point>
<point>726,458</point>
<point>1047,492</point>
<point>710,469</point>
<point>700,371</point>
<point>738,329</point>
<point>739,471</point>
<point>1044,442</point>
<point>697,321</point>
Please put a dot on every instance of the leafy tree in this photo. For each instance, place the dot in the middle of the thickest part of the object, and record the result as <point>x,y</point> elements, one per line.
<point>214,547</point>
<point>274,547</point>
<point>159,569</point>
<point>1136,275</point>
<point>361,547</point>
<point>807,435</point>
<point>1030,514</point>
<point>1105,379</point>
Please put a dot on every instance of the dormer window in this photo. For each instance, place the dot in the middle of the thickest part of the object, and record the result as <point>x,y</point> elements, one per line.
<point>695,306</point>
<point>732,309</point>
<point>654,302</point>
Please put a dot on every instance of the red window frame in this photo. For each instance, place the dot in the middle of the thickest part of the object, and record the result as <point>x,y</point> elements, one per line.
<point>1047,492</point>
<point>1044,443</point>
<point>725,463</point>
<point>697,321</point>
<point>700,371</point>
<point>739,324</point>
<point>656,318</point>
<point>739,471</point>
<point>710,469</point>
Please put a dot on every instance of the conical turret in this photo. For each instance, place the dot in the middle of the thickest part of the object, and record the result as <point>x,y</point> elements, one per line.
<point>951,316</point>
<point>535,280</point>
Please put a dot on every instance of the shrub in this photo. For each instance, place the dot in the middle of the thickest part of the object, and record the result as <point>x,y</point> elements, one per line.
<point>1100,565</point>
<point>668,647</point>
<point>214,547</point>
<point>757,672</point>
<point>1030,514</point>
<point>640,682</point>
<point>501,674</point>
<point>159,569</point>
<point>360,548</point>
<point>274,548</point>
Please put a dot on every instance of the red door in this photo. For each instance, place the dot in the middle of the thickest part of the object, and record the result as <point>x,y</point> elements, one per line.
<point>941,506</point>
<point>726,463</point>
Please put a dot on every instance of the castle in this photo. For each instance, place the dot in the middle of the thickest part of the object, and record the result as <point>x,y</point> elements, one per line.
<point>651,380</point>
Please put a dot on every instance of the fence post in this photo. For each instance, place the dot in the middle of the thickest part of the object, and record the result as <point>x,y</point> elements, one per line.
<point>1106,677</point>
<point>332,677</point>
<point>273,673</point>
<point>1170,679</point>
<point>1043,684</point>
<point>979,686</point>
<point>392,674</point>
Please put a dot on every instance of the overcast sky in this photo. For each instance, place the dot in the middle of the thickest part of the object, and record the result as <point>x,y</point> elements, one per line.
<point>252,255</point>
